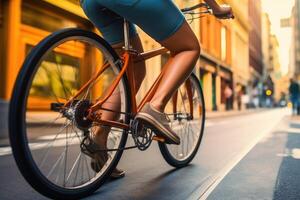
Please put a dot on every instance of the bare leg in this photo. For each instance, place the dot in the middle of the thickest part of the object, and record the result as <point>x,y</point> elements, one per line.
<point>114,102</point>
<point>185,51</point>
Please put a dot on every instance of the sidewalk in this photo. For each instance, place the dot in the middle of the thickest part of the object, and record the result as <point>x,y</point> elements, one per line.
<point>270,170</point>
<point>231,113</point>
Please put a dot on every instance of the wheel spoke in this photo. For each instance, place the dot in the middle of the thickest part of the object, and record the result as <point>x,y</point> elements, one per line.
<point>66,157</point>
<point>79,162</point>
<point>50,144</point>
<point>87,167</point>
<point>73,167</point>
<point>54,166</point>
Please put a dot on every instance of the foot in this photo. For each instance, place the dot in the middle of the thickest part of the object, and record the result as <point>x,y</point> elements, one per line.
<point>159,122</point>
<point>99,158</point>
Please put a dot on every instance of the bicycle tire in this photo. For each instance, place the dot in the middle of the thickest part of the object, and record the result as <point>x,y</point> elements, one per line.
<point>17,111</point>
<point>169,158</point>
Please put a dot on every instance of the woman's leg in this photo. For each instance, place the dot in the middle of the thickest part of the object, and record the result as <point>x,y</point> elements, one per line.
<point>111,26</point>
<point>185,51</point>
<point>101,133</point>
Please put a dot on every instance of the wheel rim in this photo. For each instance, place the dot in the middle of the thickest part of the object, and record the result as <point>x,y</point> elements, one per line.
<point>53,139</point>
<point>188,130</point>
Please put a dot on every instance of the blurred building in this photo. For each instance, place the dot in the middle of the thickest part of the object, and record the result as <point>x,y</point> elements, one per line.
<point>255,51</point>
<point>294,68</point>
<point>23,24</point>
<point>266,45</point>
<point>240,46</point>
<point>255,36</point>
<point>268,66</point>
<point>276,73</point>
<point>216,60</point>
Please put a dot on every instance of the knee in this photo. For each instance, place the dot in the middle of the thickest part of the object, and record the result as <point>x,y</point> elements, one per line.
<point>197,49</point>
<point>192,47</point>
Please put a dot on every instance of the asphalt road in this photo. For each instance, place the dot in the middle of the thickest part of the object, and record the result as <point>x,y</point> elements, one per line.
<point>225,143</point>
<point>270,170</point>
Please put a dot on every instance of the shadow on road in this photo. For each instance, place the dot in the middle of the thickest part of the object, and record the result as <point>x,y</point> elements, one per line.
<point>155,188</point>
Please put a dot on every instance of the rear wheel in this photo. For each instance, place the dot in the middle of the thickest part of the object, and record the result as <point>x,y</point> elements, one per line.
<point>46,140</point>
<point>186,111</point>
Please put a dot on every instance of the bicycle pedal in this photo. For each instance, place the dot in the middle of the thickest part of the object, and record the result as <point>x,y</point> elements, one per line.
<point>159,139</point>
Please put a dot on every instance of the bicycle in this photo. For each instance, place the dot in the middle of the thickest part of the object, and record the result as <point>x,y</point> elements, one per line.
<point>57,167</point>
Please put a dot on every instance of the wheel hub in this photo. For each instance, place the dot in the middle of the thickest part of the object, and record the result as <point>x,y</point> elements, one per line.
<point>80,115</point>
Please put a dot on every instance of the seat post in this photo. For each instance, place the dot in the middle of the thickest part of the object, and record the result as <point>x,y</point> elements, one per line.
<point>126,35</point>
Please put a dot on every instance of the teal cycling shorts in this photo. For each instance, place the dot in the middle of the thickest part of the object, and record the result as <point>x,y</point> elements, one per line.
<point>158,18</point>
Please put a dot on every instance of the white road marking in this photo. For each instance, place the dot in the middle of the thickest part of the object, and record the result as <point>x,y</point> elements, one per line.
<point>206,189</point>
<point>5,151</point>
<point>60,141</point>
<point>294,153</point>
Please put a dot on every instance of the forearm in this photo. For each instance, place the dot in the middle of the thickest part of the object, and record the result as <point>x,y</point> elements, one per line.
<point>213,4</point>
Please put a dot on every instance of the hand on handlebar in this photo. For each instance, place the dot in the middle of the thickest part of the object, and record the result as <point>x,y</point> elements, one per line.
<point>224,12</point>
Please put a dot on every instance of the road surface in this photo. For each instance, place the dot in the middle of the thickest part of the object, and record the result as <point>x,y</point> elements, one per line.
<point>225,145</point>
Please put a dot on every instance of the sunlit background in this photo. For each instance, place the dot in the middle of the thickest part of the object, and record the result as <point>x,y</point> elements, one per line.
<point>277,11</point>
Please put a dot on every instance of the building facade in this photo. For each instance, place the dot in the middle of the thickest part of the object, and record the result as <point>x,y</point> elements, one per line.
<point>240,47</point>
<point>269,51</point>
<point>255,47</point>
<point>266,45</point>
<point>294,68</point>
<point>276,73</point>
<point>25,23</point>
<point>255,54</point>
<point>216,60</point>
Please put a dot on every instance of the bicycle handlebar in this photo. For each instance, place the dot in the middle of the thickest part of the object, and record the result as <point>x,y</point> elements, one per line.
<point>200,5</point>
<point>208,11</point>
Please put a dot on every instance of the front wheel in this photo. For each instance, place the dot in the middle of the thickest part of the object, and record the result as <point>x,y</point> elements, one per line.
<point>46,140</point>
<point>186,111</point>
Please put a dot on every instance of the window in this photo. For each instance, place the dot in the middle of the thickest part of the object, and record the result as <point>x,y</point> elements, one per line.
<point>242,59</point>
<point>223,43</point>
<point>204,25</point>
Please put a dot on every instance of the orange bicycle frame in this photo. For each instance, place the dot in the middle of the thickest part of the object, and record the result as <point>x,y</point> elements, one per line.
<point>128,58</point>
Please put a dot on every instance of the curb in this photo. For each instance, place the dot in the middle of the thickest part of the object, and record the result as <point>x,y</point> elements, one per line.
<point>217,115</point>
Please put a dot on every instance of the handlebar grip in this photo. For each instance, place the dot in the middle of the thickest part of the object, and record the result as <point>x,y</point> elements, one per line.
<point>224,16</point>
<point>203,5</point>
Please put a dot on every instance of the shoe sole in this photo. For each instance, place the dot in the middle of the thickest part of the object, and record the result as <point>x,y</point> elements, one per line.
<point>154,123</point>
<point>113,175</point>
<point>117,176</point>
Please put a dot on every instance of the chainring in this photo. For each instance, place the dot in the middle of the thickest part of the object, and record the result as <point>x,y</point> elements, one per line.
<point>142,135</point>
